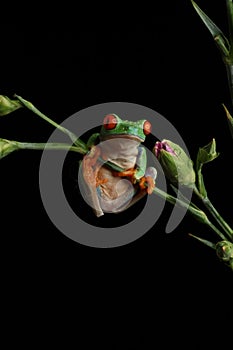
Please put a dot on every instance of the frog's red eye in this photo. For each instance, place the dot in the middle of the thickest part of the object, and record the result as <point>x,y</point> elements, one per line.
<point>147,127</point>
<point>110,122</point>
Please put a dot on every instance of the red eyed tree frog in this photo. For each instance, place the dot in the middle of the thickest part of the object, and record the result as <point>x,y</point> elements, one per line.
<point>114,172</point>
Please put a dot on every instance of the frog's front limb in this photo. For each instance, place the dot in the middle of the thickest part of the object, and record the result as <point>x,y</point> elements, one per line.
<point>146,182</point>
<point>144,176</point>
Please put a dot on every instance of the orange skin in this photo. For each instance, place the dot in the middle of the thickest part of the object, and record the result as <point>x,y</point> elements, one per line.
<point>91,168</point>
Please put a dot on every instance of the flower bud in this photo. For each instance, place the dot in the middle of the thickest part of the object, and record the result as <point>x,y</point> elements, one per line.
<point>177,166</point>
<point>7,147</point>
<point>224,250</point>
<point>7,105</point>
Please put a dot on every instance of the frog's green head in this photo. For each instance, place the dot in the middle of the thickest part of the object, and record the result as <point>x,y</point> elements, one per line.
<point>113,126</point>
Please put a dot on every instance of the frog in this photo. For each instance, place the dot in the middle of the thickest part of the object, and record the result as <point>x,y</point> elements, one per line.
<point>114,172</point>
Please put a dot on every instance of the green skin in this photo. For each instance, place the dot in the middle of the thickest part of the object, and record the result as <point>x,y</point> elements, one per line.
<point>119,154</point>
<point>125,127</point>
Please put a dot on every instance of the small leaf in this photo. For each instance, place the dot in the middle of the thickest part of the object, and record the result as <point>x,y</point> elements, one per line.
<point>204,241</point>
<point>230,119</point>
<point>207,153</point>
<point>220,39</point>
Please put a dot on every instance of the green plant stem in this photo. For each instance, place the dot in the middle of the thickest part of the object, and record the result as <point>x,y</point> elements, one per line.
<point>229,69</point>
<point>229,6</point>
<point>229,58</point>
<point>69,133</point>
<point>205,200</point>
<point>47,146</point>
<point>198,214</point>
<point>200,181</point>
<point>227,229</point>
<point>231,264</point>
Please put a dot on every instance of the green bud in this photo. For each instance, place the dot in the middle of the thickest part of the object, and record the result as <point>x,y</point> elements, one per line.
<point>176,164</point>
<point>7,147</point>
<point>7,105</point>
<point>224,250</point>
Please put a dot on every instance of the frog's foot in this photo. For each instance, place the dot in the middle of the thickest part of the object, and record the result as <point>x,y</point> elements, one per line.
<point>147,183</point>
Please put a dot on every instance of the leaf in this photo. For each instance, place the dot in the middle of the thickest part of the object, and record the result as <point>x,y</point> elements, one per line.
<point>204,241</point>
<point>220,39</point>
<point>207,153</point>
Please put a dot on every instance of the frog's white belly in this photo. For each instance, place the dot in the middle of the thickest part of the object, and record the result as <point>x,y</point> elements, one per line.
<point>120,151</point>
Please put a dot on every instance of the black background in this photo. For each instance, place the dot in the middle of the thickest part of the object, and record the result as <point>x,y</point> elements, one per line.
<point>160,287</point>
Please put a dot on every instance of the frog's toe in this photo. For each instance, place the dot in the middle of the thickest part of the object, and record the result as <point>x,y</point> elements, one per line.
<point>150,184</point>
<point>100,182</point>
<point>147,183</point>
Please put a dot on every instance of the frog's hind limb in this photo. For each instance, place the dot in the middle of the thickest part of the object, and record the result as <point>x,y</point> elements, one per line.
<point>90,169</point>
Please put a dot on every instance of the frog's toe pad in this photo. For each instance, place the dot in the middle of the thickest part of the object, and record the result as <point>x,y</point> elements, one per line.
<point>152,172</point>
